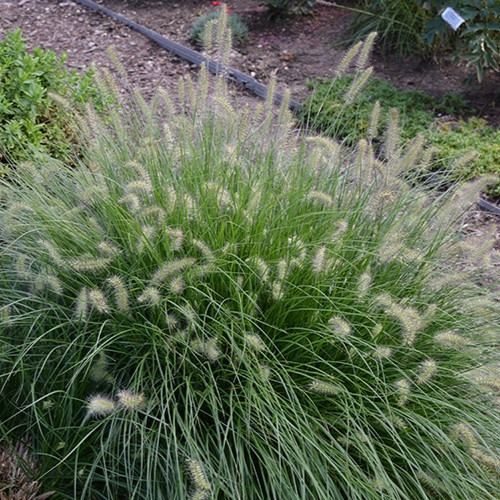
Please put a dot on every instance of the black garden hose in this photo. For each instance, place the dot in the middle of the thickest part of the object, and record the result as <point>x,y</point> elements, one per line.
<point>192,56</point>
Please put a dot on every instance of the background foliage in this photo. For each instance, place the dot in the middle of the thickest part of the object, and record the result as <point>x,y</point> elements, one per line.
<point>280,7</point>
<point>408,27</point>
<point>29,119</point>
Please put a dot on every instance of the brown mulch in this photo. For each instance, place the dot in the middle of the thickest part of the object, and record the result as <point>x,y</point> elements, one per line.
<point>294,49</point>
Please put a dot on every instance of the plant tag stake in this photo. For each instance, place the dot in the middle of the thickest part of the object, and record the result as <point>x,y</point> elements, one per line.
<point>452,17</point>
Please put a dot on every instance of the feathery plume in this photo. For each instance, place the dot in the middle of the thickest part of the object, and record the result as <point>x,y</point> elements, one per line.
<point>340,230</point>
<point>97,300</point>
<point>50,282</point>
<point>463,433</point>
<point>447,280</point>
<point>277,290</point>
<point>138,187</point>
<point>489,461</point>
<point>320,197</point>
<point>132,201</point>
<point>357,85</point>
<point>150,296</point>
<point>171,321</point>
<point>450,339</point>
<point>255,342</point>
<point>168,269</point>
<point>108,249</point>
<point>430,482</point>
<point>319,261</point>
<point>177,285</point>
<point>131,401</point>
<point>282,269</point>
<point>90,264</point>
<point>374,121</point>
<point>366,50</point>
<point>156,212</point>
<point>412,154</point>
<point>100,406</point>
<point>21,266</point>
<point>204,249</point>
<point>208,349</point>
<point>120,291</point>
<point>146,237</point>
<point>403,390</point>
<point>264,372</point>
<point>262,269</point>
<point>324,388</point>
<point>116,62</point>
<point>409,318</point>
<point>198,475</point>
<point>364,283</point>
<point>427,370</point>
<point>382,352</point>
<point>339,326</point>
<point>176,238</point>
<point>348,58</point>
<point>53,253</point>
<point>490,381</point>
<point>81,306</point>
<point>398,422</point>
<point>377,330</point>
<point>392,136</point>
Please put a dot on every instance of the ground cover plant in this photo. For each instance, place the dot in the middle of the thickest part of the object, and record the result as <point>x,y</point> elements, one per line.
<point>29,119</point>
<point>444,123</point>
<point>210,305</point>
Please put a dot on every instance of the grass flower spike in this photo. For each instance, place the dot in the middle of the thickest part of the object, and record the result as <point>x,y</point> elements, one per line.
<point>100,406</point>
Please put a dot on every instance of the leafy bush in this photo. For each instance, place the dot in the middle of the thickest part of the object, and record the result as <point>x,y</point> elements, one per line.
<point>239,30</point>
<point>280,7</point>
<point>417,27</point>
<point>211,305</point>
<point>29,118</point>
<point>327,111</point>
<point>478,44</point>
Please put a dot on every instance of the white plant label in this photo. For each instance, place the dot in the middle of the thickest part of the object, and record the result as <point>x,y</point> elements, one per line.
<point>452,17</point>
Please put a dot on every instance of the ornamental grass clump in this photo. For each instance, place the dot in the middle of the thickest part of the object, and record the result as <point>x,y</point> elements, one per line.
<point>262,320</point>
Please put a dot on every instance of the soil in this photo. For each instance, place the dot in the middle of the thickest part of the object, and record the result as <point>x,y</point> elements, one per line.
<point>294,49</point>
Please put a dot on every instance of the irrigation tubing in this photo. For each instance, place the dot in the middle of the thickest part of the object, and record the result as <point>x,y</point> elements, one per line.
<point>216,68</point>
<point>192,56</point>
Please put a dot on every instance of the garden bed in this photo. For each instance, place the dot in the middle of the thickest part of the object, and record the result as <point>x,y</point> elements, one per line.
<point>294,49</point>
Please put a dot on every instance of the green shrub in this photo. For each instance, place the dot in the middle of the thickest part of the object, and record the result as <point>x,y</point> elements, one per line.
<point>239,30</point>
<point>417,27</point>
<point>326,110</point>
<point>477,41</point>
<point>29,118</point>
<point>280,7</point>
<point>210,305</point>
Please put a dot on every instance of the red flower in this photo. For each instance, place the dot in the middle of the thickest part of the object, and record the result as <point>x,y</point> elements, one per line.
<point>229,10</point>
<point>215,3</point>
